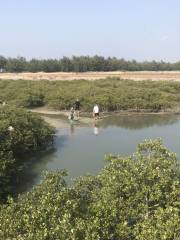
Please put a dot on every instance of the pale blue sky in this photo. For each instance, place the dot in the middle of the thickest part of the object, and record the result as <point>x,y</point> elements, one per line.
<point>132,29</point>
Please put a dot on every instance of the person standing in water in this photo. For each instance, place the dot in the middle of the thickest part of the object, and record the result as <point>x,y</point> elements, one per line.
<point>96,112</point>
<point>77,105</point>
<point>71,114</point>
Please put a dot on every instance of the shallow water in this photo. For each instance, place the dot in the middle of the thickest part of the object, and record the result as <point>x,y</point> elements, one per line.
<point>81,148</point>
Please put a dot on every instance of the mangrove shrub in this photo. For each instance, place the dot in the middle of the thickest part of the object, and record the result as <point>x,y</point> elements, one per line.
<point>21,133</point>
<point>133,197</point>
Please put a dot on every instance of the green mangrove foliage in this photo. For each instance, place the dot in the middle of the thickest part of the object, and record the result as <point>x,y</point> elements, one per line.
<point>21,133</point>
<point>82,64</point>
<point>110,94</point>
<point>133,197</point>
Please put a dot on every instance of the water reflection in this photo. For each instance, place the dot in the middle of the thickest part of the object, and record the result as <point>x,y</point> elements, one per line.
<point>95,129</point>
<point>139,121</point>
<point>72,128</point>
<point>32,172</point>
<point>84,152</point>
<point>29,177</point>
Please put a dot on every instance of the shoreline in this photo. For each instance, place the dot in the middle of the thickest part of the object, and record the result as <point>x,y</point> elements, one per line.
<point>88,115</point>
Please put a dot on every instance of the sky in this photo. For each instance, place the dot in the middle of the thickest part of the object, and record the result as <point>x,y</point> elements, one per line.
<point>130,29</point>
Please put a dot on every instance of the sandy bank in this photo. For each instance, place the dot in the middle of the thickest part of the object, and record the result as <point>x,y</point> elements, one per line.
<point>64,117</point>
<point>58,76</point>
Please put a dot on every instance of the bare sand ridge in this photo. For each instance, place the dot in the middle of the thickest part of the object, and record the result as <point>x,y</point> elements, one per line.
<point>57,76</point>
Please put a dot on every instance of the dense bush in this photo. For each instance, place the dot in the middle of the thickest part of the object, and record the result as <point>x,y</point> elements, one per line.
<point>21,133</point>
<point>33,100</point>
<point>82,64</point>
<point>110,94</point>
<point>135,197</point>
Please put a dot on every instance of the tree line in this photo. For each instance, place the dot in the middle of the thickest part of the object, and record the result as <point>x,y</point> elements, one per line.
<point>82,64</point>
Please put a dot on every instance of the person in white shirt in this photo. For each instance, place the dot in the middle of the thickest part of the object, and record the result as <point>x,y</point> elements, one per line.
<point>96,111</point>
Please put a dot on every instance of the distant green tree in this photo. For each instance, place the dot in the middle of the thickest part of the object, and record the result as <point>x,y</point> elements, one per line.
<point>16,64</point>
<point>83,64</point>
<point>3,62</point>
<point>66,65</point>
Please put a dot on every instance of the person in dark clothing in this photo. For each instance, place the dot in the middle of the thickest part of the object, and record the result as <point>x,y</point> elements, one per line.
<point>77,105</point>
